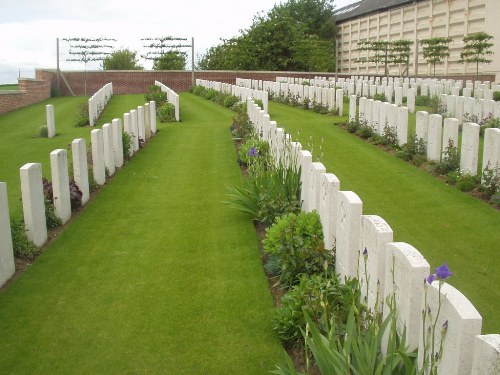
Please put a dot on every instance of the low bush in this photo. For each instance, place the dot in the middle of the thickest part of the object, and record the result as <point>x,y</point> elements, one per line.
<point>242,127</point>
<point>230,101</point>
<point>253,149</point>
<point>297,240</point>
<point>268,192</point>
<point>323,298</point>
<point>496,96</point>
<point>155,94</point>
<point>42,131</point>
<point>166,113</point>
<point>127,145</point>
<point>450,161</point>
<point>364,131</point>
<point>82,115</point>
<point>414,149</point>
<point>23,248</point>
<point>490,180</point>
<point>380,97</point>
<point>466,182</point>
<point>51,219</point>
<point>75,195</point>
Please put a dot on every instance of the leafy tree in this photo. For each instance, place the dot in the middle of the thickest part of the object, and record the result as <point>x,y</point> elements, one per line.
<point>165,52</point>
<point>435,50</point>
<point>122,59</point>
<point>476,49</point>
<point>88,49</point>
<point>171,60</point>
<point>386,52</point>
<point>296,35</point>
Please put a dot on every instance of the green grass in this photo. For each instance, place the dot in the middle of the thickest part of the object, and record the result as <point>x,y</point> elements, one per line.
<point>156,276</point>
<point>443,223</point>
<point>20,145</point>
<point>9,87</point>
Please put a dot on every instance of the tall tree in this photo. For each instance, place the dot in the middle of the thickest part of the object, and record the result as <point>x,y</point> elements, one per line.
<point>280,40</point>
<point>476,49</point>
<point>435,50</point>
<point>122,59</point>
<point>170,60</point>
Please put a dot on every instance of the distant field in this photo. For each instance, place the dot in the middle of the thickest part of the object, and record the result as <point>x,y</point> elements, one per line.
<point>9,87</point>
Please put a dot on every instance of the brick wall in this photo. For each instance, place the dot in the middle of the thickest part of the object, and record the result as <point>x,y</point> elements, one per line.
<point>30,91</point>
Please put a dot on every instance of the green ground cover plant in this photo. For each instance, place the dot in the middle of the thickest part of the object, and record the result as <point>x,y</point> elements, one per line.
<point>156,275</point>
<point>439,220</point>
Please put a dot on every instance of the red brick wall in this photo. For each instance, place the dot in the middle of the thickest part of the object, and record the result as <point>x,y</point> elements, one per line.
<point>137,82</point>
<point>30,91</point>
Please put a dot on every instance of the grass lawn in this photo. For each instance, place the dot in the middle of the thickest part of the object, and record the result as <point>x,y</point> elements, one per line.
<point>443,223</point>
<point>13,86</point>
<point>20,144</point>
<point>156,276</point>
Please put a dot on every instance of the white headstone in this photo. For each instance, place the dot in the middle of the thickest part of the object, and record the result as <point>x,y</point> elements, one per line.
<point>339,99</point>
<point>402,126</point>
<point>7,265</point>
<point>375,234</point>
<point>152,116</point>
<point>147,121</point>
<point>116,125</point>
<point>422,125</point>
<point>80,167</point>
<point>140,123</point>
<point>51,124</point>
<point>98,167</point>
<point>450,132</point>
<point>491,153</point>
<point>109,152</point>
<point>33,203</point>
<point>410,100</point>
<point>330,185</point>
<point>486,360</point>
<point>135,130</point>
<point>317,169</point>
<point>463,322</point>
<point>352,108</point>
<point>60,184</point>
<point>405,271</point>
<point>349,209</point>
<point>305,162</point>
<point>434,135</point>
<point>470,148</point>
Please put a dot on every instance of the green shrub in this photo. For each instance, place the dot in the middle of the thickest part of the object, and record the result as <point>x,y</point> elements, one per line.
<point>23,248</point>
<point>166,113</point>
<point>389,136</point>
<point>496,96</point>
<point>230,101</point>
<point>242,127</point>
<point>364,130</point>
<point>155,94</point>
<point>252,149</point>
<point>467,182</point>
<point>353,126</point>
<point>268,192</point>
<point>490,180</point>
<point>127,145</point>
<point>55,92</point>
<point>297,240</point>
<point>42,131</point>
<point>380,97</point>
<point>489,122</point>
<point>422,100</point>
<point>51,219</point>
<point>75,195</point>
<point>324,299</point>
<point>210,94</point>
<point>450,161</point>
<point>259,103</point>
<point>415,147</point>
<point>82,115</point>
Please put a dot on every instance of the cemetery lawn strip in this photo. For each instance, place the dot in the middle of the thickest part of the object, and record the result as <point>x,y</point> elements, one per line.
<point>156,276</point>
<point>20,145</point>
<point>440,221</point>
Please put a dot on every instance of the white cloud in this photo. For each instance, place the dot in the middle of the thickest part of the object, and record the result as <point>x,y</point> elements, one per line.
<point>29,28</point>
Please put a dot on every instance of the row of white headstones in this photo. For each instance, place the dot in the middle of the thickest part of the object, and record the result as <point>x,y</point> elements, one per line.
<point>172,97</point>
<point>435,132</point>
<point>392,268</point>
<point>98,101</point>
<point>107,157</point>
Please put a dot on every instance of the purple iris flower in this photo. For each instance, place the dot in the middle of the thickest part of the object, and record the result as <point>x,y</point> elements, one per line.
<point>253,152</point>
<point>443,272</point>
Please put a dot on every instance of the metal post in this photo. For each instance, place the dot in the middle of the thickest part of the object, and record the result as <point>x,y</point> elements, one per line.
<point>192,61</point>
<point>58,79</point>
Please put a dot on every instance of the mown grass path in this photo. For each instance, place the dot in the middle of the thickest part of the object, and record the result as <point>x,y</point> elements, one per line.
<point>156,276</point>
<point>443,223</point>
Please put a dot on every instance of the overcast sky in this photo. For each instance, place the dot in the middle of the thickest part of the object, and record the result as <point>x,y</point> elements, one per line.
<point>29,28</point>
